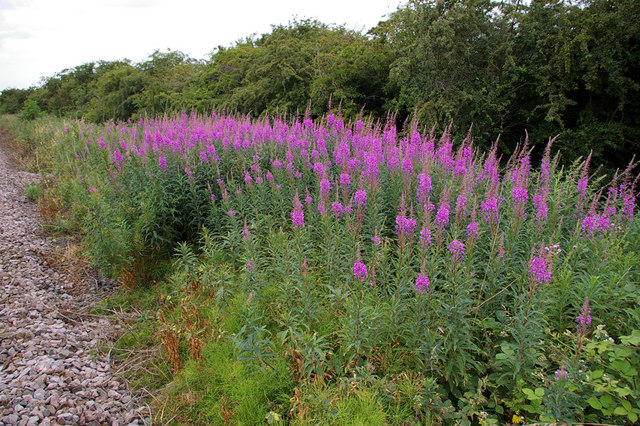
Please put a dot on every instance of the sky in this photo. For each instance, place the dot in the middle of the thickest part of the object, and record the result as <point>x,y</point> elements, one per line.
<point>39,38</point>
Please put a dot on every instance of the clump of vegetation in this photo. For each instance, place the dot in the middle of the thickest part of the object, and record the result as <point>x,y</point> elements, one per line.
<point>31,110</point>
<point>323,271</point>
<point>33,192</point>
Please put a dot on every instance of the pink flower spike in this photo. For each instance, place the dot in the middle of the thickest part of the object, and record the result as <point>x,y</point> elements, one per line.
<point>422,284</point>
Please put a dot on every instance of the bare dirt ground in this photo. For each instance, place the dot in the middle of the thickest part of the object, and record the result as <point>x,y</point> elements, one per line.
<point>54,357</point>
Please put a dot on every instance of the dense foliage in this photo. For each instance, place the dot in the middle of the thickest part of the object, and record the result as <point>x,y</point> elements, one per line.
<point>339,273</point>
<point>549,67</point>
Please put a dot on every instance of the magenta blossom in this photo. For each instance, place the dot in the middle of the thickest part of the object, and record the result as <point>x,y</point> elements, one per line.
<point>472,230</point>
<point>540,271</point>
<point>360,271</point>
<point>561,374</point>
<point>584,319</point>
<point>422,284</point>
<point>337,209</point>
<point>360,198</point>
<point>442,217</point>
<point>405,225</point>
<point>162,163</point>
<point>456,248</point>
<point>490,208</point>
<point>297,214</point>
<point>345,180</point>
<point>425,238</point>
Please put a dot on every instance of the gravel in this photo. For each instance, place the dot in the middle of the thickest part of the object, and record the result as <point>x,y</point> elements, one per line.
<point>52,371</point>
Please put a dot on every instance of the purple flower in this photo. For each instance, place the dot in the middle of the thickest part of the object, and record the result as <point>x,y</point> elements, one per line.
<point>541,205</point>
<point>540,271</point>
<point>442,217</point>
<point>308,123</point>
<point>360,198</point>
<point>325,186</point>
<point>422,284</point>
<point>249,265</point>
<point>188,172</point>
<point>337,209</point>
<point>297,218</point>
<point>117,157</point>
<point>456,248</point>
<point>405,225</point>
<point>628,204</point>
<point>345,180</point>
<point>424,187</point>
<point>461,203</point>
<point>231,213</point>
<point>359,271</point>
<point>162,163</point>
<point>245,231</point>
<point>289,156</point>
<point>472,230</point>
<point>269,177</point>
<point>425,238</point>
<point>318,168</point>
<point>582,185</point>
<point>211,151</point>
<point>203,157</point>
<point>561,374</point>
<point>588,225</point>
<point>519,195</point>
<point>376,240</point>
<point>490,208</point>
<point>407,167</point>
<point>584,319</point>
<point>371,166</point>
<point>603,223</point>
<point>297,214</point>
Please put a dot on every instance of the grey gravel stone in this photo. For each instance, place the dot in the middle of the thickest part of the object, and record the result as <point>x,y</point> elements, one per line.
<point>50,369</point>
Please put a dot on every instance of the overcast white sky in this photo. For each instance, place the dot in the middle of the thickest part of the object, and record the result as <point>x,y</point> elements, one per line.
<point>41,37</point>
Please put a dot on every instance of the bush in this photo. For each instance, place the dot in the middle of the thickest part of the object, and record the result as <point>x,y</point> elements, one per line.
<point>31,110</point>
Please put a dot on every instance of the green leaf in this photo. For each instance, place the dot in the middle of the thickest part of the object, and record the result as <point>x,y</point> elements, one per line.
<point>623,352</point>
<point>626,404</point>
<point>596,374</point>
<point>633,417</point>
<point>539,392</point>
<point>620,411</point>
<point>622,392</point>
<point>606,401</point>
<point>633,339</point>
<point>594,403</point>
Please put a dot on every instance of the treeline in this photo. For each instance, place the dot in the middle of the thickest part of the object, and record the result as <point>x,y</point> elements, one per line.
<point>550,67</point>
